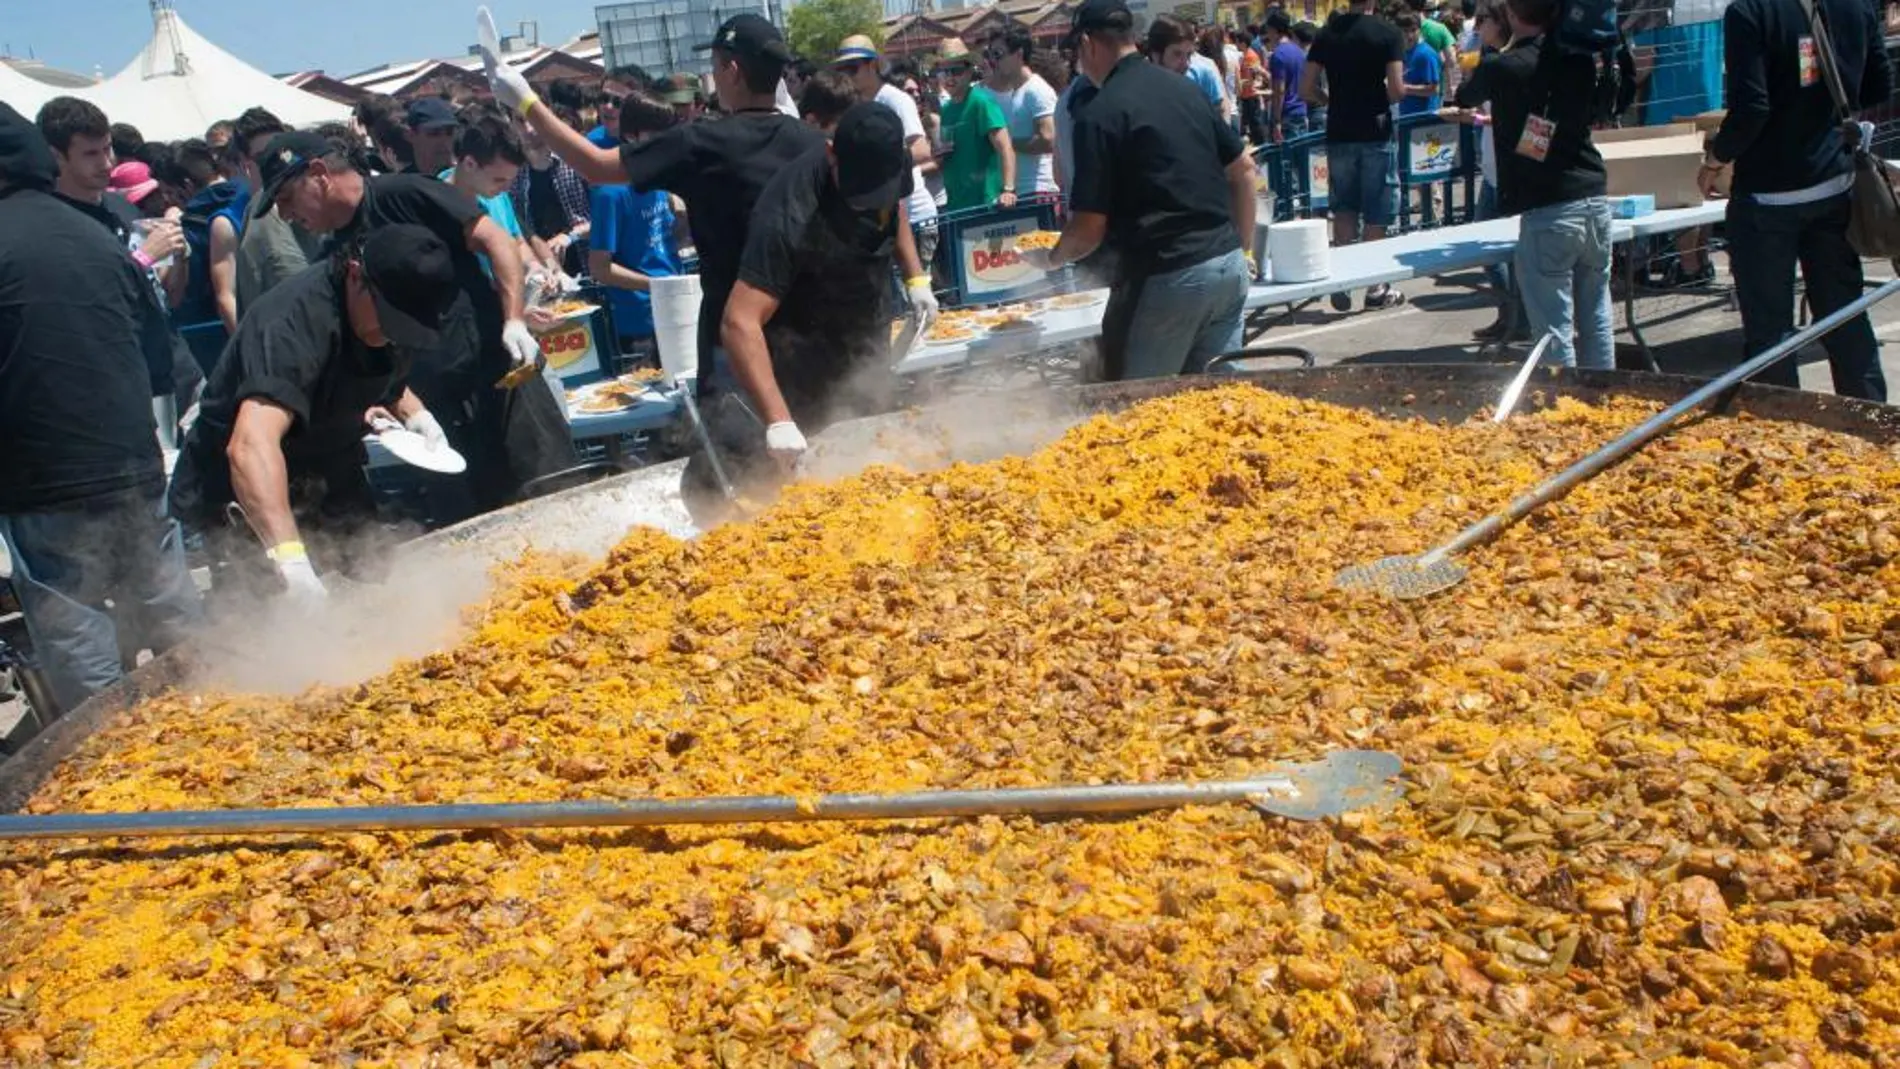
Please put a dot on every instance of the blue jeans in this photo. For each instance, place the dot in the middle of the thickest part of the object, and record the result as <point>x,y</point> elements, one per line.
<point>1287,178</point>
<point>1563,275</point>
<point>1765,243</point>
<point>1364,180</point>
<point>1185,318</point>
<point>68,563</point>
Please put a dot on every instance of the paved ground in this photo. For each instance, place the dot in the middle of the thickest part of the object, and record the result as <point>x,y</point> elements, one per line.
<point>1691,332</point>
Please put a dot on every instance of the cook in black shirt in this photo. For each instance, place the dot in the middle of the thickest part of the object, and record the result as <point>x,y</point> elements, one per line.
<point>807,328</point>
<point>718,168</point>
<point>288,404</point>
<point>1168,185</point>
<point>509,436</point>
<point>82,484</point>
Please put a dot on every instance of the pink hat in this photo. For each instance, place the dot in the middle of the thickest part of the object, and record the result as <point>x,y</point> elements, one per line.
<point>134,179</point>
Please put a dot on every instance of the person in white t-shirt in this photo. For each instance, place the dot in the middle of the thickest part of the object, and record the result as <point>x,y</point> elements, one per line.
<point>1029,106</point>
<point>857,59</point>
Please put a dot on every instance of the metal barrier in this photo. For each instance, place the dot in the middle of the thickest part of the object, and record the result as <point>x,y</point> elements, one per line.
<point>1432,155</point>
<point>976,256</point>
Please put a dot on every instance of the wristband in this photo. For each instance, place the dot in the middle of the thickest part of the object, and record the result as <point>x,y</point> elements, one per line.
<point>528,105</point>
<point>921,281</point>
<point>139,257</point>
<point>284,552</point>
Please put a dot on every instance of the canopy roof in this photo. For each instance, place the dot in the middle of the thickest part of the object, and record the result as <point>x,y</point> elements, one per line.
<point>181,83</point>
<point>23,93</point>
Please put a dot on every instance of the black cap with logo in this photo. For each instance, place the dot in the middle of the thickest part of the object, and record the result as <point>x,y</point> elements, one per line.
<point>285,157</point>
<point>873,168</point>
<point>429,113</point>
<point>749,36</point>
<point>1095,15</point>
<point>410,274</point>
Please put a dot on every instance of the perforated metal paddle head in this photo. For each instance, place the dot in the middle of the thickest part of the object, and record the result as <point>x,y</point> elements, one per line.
<point>1404,578</point>
<point>1344,781</point>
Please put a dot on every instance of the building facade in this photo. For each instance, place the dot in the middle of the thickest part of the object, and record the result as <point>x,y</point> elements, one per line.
<point>658,35</point>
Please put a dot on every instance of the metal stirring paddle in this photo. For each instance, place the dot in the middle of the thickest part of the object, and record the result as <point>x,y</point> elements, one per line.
<point>1407,577</point>
<point>1341,781</point>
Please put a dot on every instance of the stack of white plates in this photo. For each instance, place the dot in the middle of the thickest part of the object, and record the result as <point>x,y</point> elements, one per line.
<point>1298,250</point>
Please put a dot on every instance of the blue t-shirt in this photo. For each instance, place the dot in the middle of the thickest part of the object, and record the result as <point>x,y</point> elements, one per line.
<point>1422,67</point>
<point>637,230</point>
<point>1202,72</point>
<point>601,138</point>
<point>1286,65</point>
<point>500,208</point>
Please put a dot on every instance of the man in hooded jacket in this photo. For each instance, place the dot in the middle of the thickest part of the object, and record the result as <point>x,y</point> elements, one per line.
<point>81,482</point>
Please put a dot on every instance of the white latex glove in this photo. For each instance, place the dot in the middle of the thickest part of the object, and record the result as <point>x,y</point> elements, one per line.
<point>425,424</point>
<point>510,88</point>
<point>300,579</point>
<point>785,442</point>
<point>523,350</point>
<point>923,303</point>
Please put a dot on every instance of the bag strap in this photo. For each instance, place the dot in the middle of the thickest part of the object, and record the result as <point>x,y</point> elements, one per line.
<point>1824,56</point>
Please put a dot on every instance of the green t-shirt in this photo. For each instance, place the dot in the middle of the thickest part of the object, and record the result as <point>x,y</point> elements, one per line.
<point>1435,35</point>
<point>973,173</point>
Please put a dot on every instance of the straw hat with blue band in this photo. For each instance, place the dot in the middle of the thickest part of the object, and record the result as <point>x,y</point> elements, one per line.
<point>856,48</point>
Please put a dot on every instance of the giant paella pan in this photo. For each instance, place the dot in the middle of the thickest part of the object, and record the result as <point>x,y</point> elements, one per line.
<point>1650,812</point>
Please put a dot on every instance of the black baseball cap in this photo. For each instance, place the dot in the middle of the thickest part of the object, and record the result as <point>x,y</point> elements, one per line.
<point>1095,15</point>
<point>285,157</point>
<point>749,36</point>
<point>411,277</point>
<point>873,168</point>
<point>429,113</point>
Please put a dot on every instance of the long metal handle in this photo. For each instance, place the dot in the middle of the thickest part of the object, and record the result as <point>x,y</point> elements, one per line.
<point>743,809</point>
<point>686,388</point>
<point>1516,389</point>
<point>1564,481</point>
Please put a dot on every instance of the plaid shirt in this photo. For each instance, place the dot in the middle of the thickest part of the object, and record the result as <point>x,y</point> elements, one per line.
<point>568,185</point>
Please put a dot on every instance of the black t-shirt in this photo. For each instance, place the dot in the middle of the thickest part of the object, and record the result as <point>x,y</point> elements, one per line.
<point>718,168</point>
<point>546,217</point>
<point>471,357</point>
<point>830,268</point>
<point>1517,86</point>
<point>1355,49</point>
<point>295,349</point>
<point>76,320</point>
<point>1150,153</point>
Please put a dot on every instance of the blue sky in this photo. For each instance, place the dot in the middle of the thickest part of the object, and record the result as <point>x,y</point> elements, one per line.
<point>339,36</point>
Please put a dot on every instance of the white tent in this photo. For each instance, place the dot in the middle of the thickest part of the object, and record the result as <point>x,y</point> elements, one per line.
<point>181,83</point>
<point>23,93</point>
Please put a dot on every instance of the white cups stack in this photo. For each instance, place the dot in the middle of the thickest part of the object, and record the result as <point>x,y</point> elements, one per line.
<point>1298,250</point>
<point>676,325</point>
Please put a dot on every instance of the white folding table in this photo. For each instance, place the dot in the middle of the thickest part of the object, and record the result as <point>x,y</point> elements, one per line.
<point>1420,254</point>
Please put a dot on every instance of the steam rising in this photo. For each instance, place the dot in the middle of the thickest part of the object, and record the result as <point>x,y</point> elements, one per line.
<point>277,646</point>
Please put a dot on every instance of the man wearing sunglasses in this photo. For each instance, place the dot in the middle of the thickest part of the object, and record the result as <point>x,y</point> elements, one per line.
<point>281,423</point>
<point>979,162</point>
<point>1166,182</point>
<point>1029,107</point>
<point>857,59</point>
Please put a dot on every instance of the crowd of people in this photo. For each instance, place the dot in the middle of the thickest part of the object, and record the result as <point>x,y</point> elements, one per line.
<point>253,302</point>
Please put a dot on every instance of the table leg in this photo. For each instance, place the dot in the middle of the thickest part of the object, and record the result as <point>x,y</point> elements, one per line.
<point>1629,310</point>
